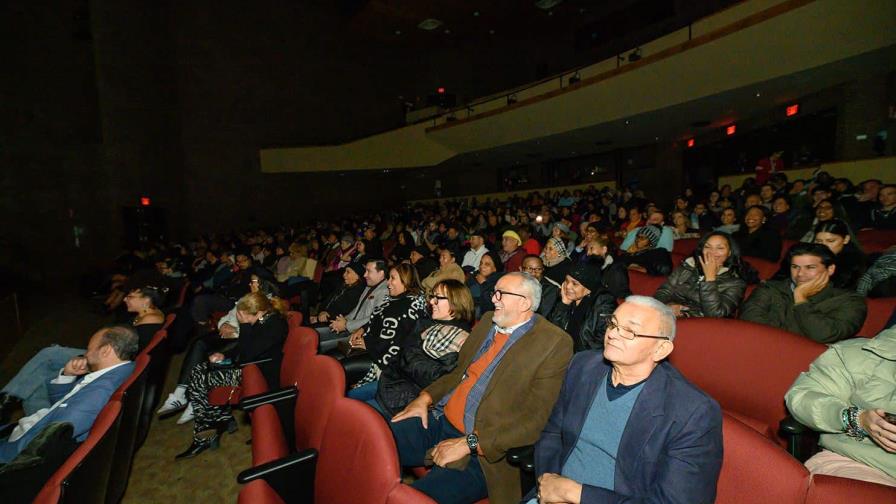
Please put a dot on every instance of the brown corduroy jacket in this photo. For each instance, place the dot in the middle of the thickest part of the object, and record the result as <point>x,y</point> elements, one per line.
<point>518,400</point>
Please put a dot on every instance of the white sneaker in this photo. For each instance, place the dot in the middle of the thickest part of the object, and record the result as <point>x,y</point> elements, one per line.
<point>175,402</point>
<point>186,416</point>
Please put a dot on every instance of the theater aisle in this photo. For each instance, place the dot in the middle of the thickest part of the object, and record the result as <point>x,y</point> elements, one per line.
<point>209,477</point>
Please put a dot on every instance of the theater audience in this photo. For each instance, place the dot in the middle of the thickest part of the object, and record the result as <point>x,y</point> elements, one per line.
<point>342,326</point>
<point>430,350</point>
<point>391,322</point>
<point>851,262</point>
<point>464,430</point>
<point>420,258</point>
<point>482,283</point>
<point>474,255</point>
<point>199,350</point>
<point>667,233</point>
<point>80,389</point>
<point>880,279</point>
<point>262,332</point>
<point>448,269</point>
<point>614,274</point>
<point>512,252</point>
<point>728,218</point>
<point>583,301</point>
<point>27,389</point>
<point>681,226</point>
<point>780,215</point>
<point>644,255</point>
<point>845,396</point>
<point>605,422</point>
<point>884,215</point>
<point>345,298</point>
<point>755,239</point>
<point>709,283</point>
<point>550,292</point>
<point>556,260</point>
<point>807,303</point>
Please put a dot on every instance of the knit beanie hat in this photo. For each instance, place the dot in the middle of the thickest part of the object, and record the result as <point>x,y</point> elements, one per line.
<point>652,233</point>
<point>588,273</point>
<point>512,234</point>
<point>357,268</point>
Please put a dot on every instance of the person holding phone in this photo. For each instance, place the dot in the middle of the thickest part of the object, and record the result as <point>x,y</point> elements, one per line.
<point>848,396</point>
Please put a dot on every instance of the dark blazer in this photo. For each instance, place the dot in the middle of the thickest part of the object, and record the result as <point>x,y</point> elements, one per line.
<point>670,451</point>
<point>80,409</point>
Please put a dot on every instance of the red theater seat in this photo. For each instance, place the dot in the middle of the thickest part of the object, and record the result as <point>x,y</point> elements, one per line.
<point>757,471</point>
<point>684,246</point>
<point>879,312</point>
<point>82,479</point>
<point>746,367</point>
<point>643,284</point>
<point>357,463</point>
<point>130,394</point>
<point>766,269</point>
<point>833,490</point>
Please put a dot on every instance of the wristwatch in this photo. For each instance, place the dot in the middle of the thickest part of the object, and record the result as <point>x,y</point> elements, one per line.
<point>473,444</point>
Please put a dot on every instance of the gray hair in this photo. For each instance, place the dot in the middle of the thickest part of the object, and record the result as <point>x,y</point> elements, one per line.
<point>122,339</point>
<point>531,285</point>
<point>667,316</point>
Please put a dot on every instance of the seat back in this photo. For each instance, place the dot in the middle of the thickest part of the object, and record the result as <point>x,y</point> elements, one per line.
<point>259,492</point>
<point>879,312</point>
<point>294,319</point>
<point>358,442</point>
<point>322,384</point>
<point>825,489</point>
<point>643,284</point>
<point>83,478</point>
<point>766,269</point>
<point>684,246</point>
<point>130,393</point>
<point>156,372</point>
<point>755,470</point>
<point>746,367</point>
<point>300,346</point>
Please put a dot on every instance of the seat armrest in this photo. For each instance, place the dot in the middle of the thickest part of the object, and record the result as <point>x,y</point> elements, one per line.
<point>259,361</point>
<point>249,403</point>
<point>522,457</point>
<point>792,427</point>
<point>292,477</point>
<point>802,441</point>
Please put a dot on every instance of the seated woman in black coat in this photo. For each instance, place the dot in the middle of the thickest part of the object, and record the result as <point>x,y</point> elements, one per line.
<point>431,350</point>
<point>482,283</point>
<point>645,256</point>
<point>613,273</point>
<point>386,332</point>
<point>583,301</point>
<point>262,330</point>
<point>755,239</point>
<point>343,299</point>
<point>710,283</point>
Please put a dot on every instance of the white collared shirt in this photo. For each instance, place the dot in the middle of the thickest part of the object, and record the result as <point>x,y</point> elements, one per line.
<point>26,423</point>
<point>509,330</point>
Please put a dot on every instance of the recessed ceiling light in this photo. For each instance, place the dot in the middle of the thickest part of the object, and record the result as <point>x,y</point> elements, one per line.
<point>757,95</point>
<point>627,121</point>
<point>398,32</point>
<point>429,24</point>
<point>547,4</point>
<point>475,13</point>
<point>447,32</point>
<point>491,32</point>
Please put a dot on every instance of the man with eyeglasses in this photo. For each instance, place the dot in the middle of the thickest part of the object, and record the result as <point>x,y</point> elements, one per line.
<point>534,265</point>
<point>627,426</point>
<point>508,375</point>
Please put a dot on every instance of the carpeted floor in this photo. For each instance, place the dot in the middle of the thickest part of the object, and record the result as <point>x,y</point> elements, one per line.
<point>156,476</point>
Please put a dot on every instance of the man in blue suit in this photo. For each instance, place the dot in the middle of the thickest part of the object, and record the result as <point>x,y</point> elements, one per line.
<point>627,426</point>
<point>81,390</point>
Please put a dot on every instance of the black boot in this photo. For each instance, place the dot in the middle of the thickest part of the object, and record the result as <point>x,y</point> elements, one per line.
<point>211,442</point>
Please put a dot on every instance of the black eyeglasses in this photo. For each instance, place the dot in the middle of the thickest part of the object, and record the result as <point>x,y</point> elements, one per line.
<point>532,269</point>
<point>437,298</point>
<point>499,294</point>
<point>625,332</point>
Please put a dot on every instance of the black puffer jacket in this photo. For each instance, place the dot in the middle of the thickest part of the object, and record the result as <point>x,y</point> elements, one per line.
<point>426,356</point>
<point>657,261</point>
<point>685,286</point>
<point>591,331</point>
